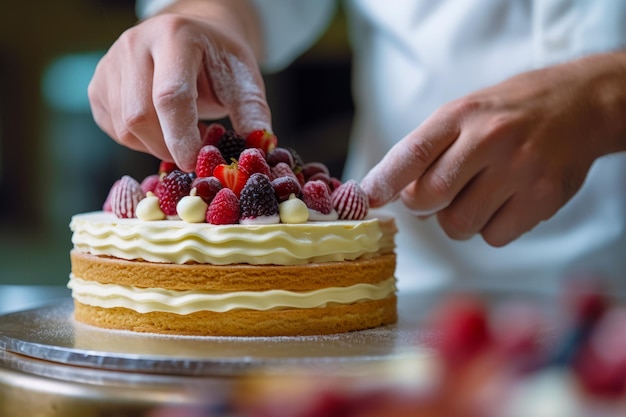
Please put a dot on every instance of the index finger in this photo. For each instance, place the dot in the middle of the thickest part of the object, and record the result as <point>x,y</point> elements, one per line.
<point>410,158</point>
<point>174,94</point>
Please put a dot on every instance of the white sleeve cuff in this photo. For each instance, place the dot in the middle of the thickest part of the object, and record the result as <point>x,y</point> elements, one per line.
<point>290,27</point>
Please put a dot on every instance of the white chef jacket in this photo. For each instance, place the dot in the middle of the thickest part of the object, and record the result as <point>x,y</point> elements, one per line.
<point>412,56</point>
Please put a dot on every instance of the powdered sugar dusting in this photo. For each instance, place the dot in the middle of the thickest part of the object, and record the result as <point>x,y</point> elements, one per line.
<point>239,89</point>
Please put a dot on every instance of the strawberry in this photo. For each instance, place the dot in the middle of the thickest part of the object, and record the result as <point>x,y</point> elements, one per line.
<point>262,139</point>
<point>208,158</point>
<point>231,177</point>
<point>282,170</point>
<point>212,133</point>
<point>350,201</point>
<point>125,195</point>
<point>206,187</point>
<point>150,183</point>
<point>172,188</point>
<point>316,196</point>
<point>224,209</point>
<point>165,167</point>
<point>231,145</point>
<point>252,161</point>
<point>107,201</point>
<point>257,198</point>
<point>280,155</point>
<point>285,186</point>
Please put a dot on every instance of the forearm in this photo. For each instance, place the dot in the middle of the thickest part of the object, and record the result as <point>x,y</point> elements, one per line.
<point>233,15</point>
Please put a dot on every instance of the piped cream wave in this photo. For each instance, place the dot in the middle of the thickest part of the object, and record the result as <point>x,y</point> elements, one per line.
<point>146,300</point>
<point>280,244</point>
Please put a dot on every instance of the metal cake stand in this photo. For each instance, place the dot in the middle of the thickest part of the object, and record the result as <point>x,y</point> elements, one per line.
<point>51,365</point>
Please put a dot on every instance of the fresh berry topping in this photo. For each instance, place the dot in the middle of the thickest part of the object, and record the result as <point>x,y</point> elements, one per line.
<point>334,183</point>
<point>300,178</point>
<point>282,170</point>
<point>280,155</point>
<point>320,176</point>
<point>224,209</point>
<point>208,158</point>
<point>257,198</point>
<point>252,161</point>
<point>262,139</point>
<point>311,168</point>
<point>231,145</point>
<point>166,167</point>
<point>285,186</point>
<point>173,187</point>
<point>316,197</point>
<point>212,133</point>
<point>125,195</point>
<point>106,207</point>
<point>231,177</point>
<point>206,187</point>
<point>150,183</point>
<point>297,161</point>
<point>350,201</point>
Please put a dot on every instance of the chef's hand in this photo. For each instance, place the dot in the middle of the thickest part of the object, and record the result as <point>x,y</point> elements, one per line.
<point>503,159</point>
<point>196,60</point>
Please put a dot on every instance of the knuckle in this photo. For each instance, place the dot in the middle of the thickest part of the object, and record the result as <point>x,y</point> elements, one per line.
<point>421,152</point>
<point>456,223</point>
<point>172,94</point>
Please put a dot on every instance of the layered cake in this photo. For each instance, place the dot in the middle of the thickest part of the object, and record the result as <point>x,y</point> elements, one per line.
<point>265,245</point>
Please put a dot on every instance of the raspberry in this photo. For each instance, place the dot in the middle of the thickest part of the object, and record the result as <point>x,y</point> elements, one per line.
<point>231,145</point>
<point>280,155</point>
<point>173,187</point>
<point>224,209</point>
<point>316,197</point>
<point>282,170</point>
<point>125,195</point>
<point>261,139</point>
<point>212,133</point>
<point>257,198</point>
<point>285,186</point>
<point>207,188</point>
<point>320,176</point>
<point>252,161</point>
<point>150,183</point>
<point>208,158</point>
<point>350,201</point>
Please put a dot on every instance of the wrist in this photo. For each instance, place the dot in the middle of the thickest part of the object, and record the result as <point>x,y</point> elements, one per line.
<point>607,91</point>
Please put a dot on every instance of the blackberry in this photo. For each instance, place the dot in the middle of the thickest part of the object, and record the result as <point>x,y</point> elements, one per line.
<point>258,198</point>
<point>172,188</point>
<point>231,145</point>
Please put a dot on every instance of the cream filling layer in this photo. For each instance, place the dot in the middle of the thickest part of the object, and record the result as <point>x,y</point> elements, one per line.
<point>146,300</point>
<point>174,241</point>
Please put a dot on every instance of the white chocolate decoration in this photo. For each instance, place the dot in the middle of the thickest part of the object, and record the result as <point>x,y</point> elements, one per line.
<point>293,211</point>
<point>192,208</point>
<point>148,209</point>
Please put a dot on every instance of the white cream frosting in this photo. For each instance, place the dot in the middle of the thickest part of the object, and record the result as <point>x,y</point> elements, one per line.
<point>174,241</point>
<point>146,300</point>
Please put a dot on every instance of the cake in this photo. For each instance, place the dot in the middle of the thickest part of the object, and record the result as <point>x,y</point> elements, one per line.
<point>264,246</point>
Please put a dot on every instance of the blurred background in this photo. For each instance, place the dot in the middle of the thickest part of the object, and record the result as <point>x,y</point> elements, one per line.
<point>55,161</point>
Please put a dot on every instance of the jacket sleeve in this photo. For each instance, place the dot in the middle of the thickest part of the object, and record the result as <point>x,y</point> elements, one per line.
<point>289,27</point>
